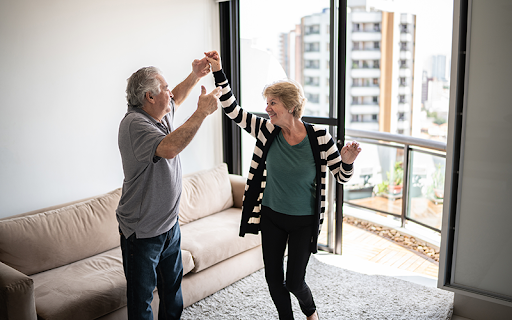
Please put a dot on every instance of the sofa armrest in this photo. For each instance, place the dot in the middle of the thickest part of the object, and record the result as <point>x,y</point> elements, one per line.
<point>17,300</point>
<point>238,187</point>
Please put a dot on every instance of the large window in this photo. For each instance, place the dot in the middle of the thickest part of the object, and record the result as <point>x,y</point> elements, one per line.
<point>394,82</point>
<point>410,52</point>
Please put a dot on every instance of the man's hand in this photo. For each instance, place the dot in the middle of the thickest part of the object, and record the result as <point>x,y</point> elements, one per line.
<point>350,152</point>
<point>208,103</point>
<point>200,67</point>
<point>213,58</point>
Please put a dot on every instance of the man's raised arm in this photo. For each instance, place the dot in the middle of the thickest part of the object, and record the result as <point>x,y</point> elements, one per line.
<point>200,68</point>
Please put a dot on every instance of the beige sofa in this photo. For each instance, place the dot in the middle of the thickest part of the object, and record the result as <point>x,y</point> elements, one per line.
<point>65,262</point>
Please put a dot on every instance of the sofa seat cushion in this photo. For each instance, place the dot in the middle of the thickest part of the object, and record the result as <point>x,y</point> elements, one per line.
<point>86,289</point>
<point>215,238</point>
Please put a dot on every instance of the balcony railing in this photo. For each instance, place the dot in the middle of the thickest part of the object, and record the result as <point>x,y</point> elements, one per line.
<point>398,176</point>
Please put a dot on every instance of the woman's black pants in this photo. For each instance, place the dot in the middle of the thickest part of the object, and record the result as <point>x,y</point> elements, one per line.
<point>276,230</point>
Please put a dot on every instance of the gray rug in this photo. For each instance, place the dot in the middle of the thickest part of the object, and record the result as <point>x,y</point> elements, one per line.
<point>338,294</point>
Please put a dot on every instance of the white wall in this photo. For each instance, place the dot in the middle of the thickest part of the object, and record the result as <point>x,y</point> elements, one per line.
<point>63,71</point>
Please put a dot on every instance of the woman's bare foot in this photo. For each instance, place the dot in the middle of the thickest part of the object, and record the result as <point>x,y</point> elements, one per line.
<point>314,316</point>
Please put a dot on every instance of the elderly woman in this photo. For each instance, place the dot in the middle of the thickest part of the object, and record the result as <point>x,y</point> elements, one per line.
<point>285,192</point>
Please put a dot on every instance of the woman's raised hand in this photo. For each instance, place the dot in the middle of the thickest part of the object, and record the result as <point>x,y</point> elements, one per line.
<point>350,152</point>
<point>213,58</point>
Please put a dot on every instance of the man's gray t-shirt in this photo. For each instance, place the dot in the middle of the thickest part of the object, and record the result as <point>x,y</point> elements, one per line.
<point>152,185</point>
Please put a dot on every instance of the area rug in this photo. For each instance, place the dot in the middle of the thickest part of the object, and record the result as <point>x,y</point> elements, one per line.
<point>338,294</point>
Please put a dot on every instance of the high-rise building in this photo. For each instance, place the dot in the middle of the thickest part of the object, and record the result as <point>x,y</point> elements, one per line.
<point>315,62</point>
<point>439,67</point>
<point>380,77</point>
<point>380,66</point>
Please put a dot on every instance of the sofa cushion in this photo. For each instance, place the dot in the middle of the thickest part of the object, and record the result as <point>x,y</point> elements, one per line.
<point>205,192</point>
<point>54,238</point>
<point>215,238</point>
<point>86,289</point>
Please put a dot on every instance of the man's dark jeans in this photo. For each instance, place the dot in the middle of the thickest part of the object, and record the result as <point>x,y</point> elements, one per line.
<point>149,263</point>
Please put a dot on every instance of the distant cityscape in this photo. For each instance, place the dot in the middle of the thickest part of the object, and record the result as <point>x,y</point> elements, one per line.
<point>388,88</point>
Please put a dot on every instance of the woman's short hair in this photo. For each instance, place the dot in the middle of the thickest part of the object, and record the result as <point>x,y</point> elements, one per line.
<point>142,81</point>
<point>290,93</point>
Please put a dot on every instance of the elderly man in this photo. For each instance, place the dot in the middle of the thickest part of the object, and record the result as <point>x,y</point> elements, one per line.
<point>148,208</point>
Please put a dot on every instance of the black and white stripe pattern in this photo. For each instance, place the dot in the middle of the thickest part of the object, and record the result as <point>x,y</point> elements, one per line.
<point>325,152</point>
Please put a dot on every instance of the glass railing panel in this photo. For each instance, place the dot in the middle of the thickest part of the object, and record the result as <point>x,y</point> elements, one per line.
<point>426,189</point>
<point>378,179</point>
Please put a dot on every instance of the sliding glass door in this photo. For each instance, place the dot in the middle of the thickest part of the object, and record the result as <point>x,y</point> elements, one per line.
<point>299,40</point>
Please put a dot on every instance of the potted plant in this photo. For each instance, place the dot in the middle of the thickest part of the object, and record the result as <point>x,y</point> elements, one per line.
<point>396,179</point>
<point>393,185</point>
<point>436,190</point>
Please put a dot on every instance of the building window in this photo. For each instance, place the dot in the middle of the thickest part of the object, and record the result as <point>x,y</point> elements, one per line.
<point>355,118</point>
<point>356,26</point>
<point>403,63</point>
<point>403,28</point>
<point>375,99</point>
<point>312,46</point>
<point>403,82</point>
<point>313,29</point>
<point>355,64</point>
<point>312,64</point>
<point>365,64</point>
<point>375,118</point>
<point>375,81</point>
<point>355,45</point>
<point>401,98</point>
<point>403,46</point>
<point>401,116</point>
<point>376,64</point>
<point>400,131</point>
<point>313,98</point>
<point>376,45</point>
<point>355,100</point>
<point>312,81</point>
<point>376,27</point>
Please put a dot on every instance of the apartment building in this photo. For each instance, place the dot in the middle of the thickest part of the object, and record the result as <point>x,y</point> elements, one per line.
<point>380,66</point>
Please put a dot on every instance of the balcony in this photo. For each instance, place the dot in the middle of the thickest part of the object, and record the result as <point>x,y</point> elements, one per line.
<point>366,17</point>
<point>406,37</point>
<point>365,73</point>
<point>364,108</point>
<point>403,89</point>
<point>407,18</point>
<point>396,190</point>
<point>365,91</point>
<point>398,177</point>
<point>405,55</point>
<point>366,36</point>
<point>370,54</point>
<point>405,72</point>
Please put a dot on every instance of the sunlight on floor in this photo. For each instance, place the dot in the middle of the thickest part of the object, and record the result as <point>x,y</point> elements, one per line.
<point>362,266</point>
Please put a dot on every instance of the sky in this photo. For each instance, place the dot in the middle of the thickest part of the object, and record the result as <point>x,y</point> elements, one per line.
<point>271,17</point>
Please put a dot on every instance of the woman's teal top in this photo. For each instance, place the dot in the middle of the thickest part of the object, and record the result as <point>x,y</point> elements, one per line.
<point>290,183</point>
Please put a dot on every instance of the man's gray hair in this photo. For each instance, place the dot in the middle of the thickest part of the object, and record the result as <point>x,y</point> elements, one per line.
<point>142,81</point>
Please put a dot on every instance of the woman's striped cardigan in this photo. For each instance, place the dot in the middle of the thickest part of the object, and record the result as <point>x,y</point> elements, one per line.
<point>325,153</point>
